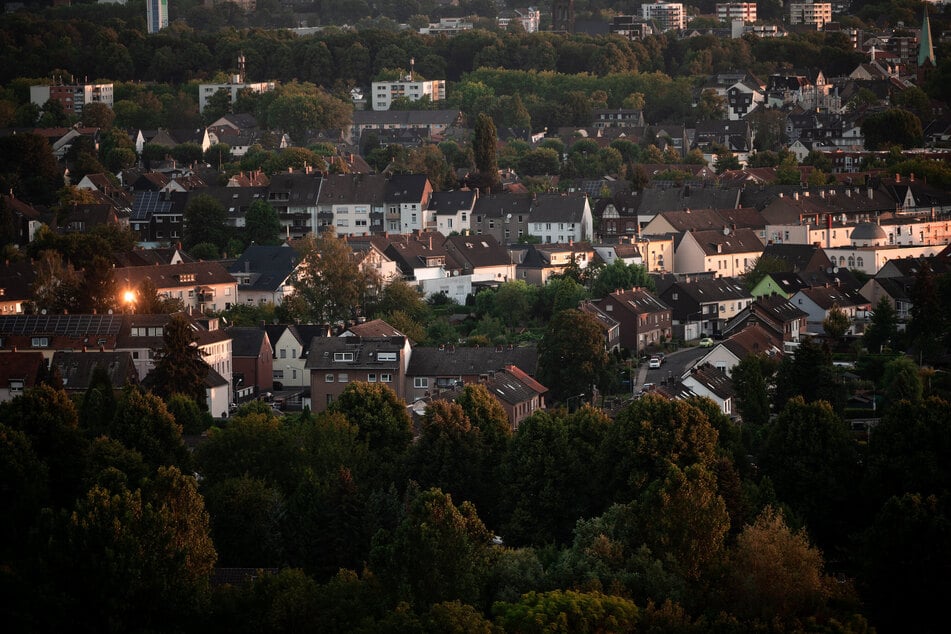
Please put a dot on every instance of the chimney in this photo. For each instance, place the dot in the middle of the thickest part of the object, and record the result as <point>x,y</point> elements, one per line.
<point>870,195</point>
<point>795,196</point>
<point>897,177</point>
<point>911,177</point>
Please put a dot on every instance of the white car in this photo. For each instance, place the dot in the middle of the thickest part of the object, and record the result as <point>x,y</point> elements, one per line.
<point>655,363</point>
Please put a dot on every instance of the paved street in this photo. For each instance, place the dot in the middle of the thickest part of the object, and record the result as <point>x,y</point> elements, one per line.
<point>675,364</point>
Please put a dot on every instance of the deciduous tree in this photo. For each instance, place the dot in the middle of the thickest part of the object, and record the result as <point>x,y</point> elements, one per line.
<point>330,279</point>
<point>571,356</point>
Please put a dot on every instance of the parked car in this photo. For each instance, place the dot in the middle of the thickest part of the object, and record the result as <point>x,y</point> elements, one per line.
<point>706,342</point>
<point>655,362</point>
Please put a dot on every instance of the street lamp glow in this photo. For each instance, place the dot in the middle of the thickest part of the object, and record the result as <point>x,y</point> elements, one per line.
<point>128,297</point>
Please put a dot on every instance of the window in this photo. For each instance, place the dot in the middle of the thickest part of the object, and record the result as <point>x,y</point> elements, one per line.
<point>283,353</point>
<point>343,356</point>
<point>329,378</point>
<point>277,374</point>
<point>421,382</point>
<point>386,356</point>
<point>386,378</point>
<point>859,262</point>
<point>41,342</point>
<point>371,378</point>
<point>342,378</point>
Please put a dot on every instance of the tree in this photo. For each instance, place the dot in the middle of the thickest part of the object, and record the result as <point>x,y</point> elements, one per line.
<point>217,155</point>
<point>97,291</point>
<point>894,126</point>
<point>485,152</point>
<point>902,381</point>
<point>400,296</point>
<point>883,326</point>
<point>180,367</point>
<point>571,356</point>
<point>98,115</point>
<point>56,287</point>
<point>539,162</point>
<point>620,275</point>
<point>439,552</point>
<point>330,279</point>
<point>380,416</point>
<point>205,220</point>
<point>567,611</point>
<point>809,373</point>
<point>143,423</point>
<point>774,572</point>
<point>752,390</point>
<point>810,456</point>
<point>28,168</point>
<point>262,225</point>
<point>246,515</point>
<point>836,322</point>
<point>926,327</point>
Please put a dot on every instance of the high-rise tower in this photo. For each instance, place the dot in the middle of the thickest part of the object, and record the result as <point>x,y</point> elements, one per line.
<point>156,15</point>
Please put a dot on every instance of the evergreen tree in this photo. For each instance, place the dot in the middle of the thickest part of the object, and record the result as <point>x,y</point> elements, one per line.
<point>883,326</point>
<point>180,367</point>
<point>485,150</point>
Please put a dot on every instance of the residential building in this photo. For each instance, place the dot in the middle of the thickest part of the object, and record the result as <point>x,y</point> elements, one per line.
<point>775,313</point>
<point>610,326</point>
<point>73,97</point>
<point>727,252</point>
<point>16,286</point>
<point>383,93</point>
<point>482,257</point>
<point>505,217</point>
<point>252,362</point>
<point>453,210</point>
<point>713,383</point>
<point>519,394</point>
<point>818,301</point>
<point>295,196</point>
<point>334,362</point>
<point>77,368</point>
<point>631,27</point>
<point>290,345</point>
<point>423,260</point>
<point>430,124</point>
<point>406,198</point>
<point>617,117</point>
<point>742,98</point>
<point>156,15</point>
<point>561,218</point>
<point>353,204</point>
<point>815,14</point>
<point>752,340</point>
<point>19,371</point>
<point>26,219</point>
<point>666,15</point>
<point>432,370</point>
<point>447,26</point>
<point>702,307</point>
<point>730,11</point>
<point>264,274</point>
<point>644,321</point>
<point>49,333</point>
<point>201,286</point>
<point>535,263</point>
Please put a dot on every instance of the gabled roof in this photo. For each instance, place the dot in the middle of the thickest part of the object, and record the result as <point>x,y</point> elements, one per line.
<point>478,250</point>
<point>412,251</point>
<point>77,368</point>
<point>798,257</point>
<point>513,386</point>
<point>451,202</point>
<point>789,282</point>
<point>754,339</point>
<point>266,266</point>
<point>714,379</point>
<point>639,301</point>
<point>184,275</point>
<point>656,200</point>
<point>352,188</point>
<point>374,328</point>
<point>405,117</point>
<point>20,366</point>
<point>826,296</point>
<point>499,205</point>
<point>558,208</point>
<point>246,341</point>
<point>778,308</point>
<point>406,188</point>
<point>738,241</point>
<point>709,290</point>
<point>355,352</point>
<point>301,188</point>
<point>451,361</point>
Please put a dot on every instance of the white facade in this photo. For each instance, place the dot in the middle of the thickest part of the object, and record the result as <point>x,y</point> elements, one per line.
<point>206,91</point>
<point>667,15</point>
<point>812,13</point>
<point>73,97</point>
<point>288,362</point>
<point>156,15</point>
<point>529,18</point>
<point>384,92</point>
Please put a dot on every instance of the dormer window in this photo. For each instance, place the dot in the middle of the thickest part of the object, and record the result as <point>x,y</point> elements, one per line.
<point>186,277</point>
<point>343,356</point>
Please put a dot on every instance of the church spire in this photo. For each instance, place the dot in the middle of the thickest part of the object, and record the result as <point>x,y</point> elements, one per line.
<point>925,47</point>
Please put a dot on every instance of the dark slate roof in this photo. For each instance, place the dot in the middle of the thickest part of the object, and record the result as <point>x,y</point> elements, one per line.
<point>797,257</point>
<point>897,287</point>
<point>300,188</point>
<point>825,296</point>
<point>714,290</point>
<point>478,250</point>
<point>640,301</point>
<point>656,200</point>
<point>558,208</point>
<point>451,202</point>
<point>714,379</point>
<point>73,325</point>
<point>16,280</point>
<point>170,275</point>
<point>458,361</point>
<point>404,118</point>
<point>789,282</point>
<point>21,366</point>
<point>147,202</point>
<point>267,266</point>
<point>405,188</point>
<point>779,308</point>
<point>306,333</point>
<point>365,351</point>
<point>235,200</point>
<point>246,341</point>
<point>499,205</point>
<point>77,368</point>
<point>352,188</point>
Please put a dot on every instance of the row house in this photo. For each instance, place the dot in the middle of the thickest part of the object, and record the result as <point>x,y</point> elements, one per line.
<point>735,136</point>
<point>742,98</point>
<point>19,372</point>
<point>617,117</point>
<point>702,307</point>
<point>432,370</point>
<point>775,313</point>
<point>482,258</point>
<point>519,394</point>
<point>264,274</point>
<point>644,321</point>
<point>753,340</point>
<point>252,362</point>
<point>201,286</point>
<point>696,219</point>
<point>294,196</point>
<point>77,368</point>
<point>505,217</point>
<point>290,344</point>
<point>727,252</point>
<point>561,218</point>
<point>610,326</point>
<point>423,260</point>
<point>535,263</point>
<point>334,362</point>
<point>406,199</point>
<point>453,210</point>
<point>713,383</point>
<point>352,204</point>
<point>818,301</point>
<point>16,286</point>
<point>432,123</point>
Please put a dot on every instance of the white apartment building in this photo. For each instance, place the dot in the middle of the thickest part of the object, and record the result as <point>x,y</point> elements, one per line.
<point>729,11</point>
<point>810,13</point>
<point>156,15</point>
<point>529,18</point>
<point>384,92</point>
<point>666,15</point>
